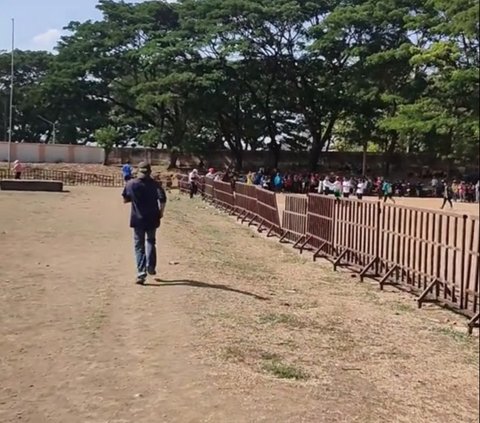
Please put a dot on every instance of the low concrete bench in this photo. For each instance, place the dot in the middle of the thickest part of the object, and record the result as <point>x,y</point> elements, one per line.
<point>30,185</point>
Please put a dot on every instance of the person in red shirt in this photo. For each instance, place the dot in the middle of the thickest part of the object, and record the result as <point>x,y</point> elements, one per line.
<point>18,169</point>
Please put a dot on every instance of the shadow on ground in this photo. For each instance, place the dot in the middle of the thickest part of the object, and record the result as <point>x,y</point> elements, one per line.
<point>197,284</point>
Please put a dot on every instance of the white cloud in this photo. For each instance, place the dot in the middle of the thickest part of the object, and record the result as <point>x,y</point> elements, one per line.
<point>47,40</point>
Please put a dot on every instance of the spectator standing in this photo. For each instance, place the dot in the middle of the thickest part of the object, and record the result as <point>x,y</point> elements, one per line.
<point>346,186</point>
<point>337,189</point>
<point>454,187</point>
<point>361,185</point>
<point>477,191</point>
<point>193,182</point>
<point>211,173</point>
<point>148,200</point>
<point>278,182</point>
<point>18,169</point>
<point>127,171</point>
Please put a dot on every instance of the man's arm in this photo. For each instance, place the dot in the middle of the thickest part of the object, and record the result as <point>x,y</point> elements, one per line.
<point>162,200</point>
<point>126,195</point>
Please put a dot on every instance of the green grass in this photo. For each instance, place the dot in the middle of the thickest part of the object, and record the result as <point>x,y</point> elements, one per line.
<point>281,319</point>
<point>455,334</point>
<point>277,368</point>
<point>403,308</point>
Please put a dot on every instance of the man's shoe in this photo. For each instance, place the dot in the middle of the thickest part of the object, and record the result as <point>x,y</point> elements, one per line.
<point>140,280</point>
<point>152,272</point>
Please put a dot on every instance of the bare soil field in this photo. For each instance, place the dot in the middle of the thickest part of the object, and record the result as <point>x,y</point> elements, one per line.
<point>235,328</point>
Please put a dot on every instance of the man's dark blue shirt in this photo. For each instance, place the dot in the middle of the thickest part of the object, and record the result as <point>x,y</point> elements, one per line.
<point>145,195</point>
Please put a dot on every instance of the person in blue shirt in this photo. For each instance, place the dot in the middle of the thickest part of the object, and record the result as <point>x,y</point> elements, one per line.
<point>278,182</point>
<point>148,200</point>
<point>127,171</point>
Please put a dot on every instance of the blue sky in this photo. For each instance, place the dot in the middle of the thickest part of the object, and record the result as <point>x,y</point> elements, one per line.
<point>39,23</point>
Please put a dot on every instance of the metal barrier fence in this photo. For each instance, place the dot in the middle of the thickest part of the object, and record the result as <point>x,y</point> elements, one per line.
<point>67,177</point>
<point>268,212</point>
<point>294,219</point>
<point>246,206</point>
<point>208,189</point>
<point>223,196</point>
<point>433,254</point>
<point>356,231</point>
<point>183,184</point>
<point>320,225</point>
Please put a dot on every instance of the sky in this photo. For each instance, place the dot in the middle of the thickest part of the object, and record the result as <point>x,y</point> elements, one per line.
<point>39,23</point>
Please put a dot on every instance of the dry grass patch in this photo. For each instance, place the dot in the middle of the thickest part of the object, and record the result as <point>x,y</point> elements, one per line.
<point>319,328</point>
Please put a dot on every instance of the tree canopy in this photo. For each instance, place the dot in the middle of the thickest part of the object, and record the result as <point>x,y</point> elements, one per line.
<point>300,75</point>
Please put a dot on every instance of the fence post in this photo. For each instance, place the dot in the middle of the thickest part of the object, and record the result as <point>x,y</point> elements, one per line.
<point>379,224</point>
<point>333,227</point>
<point>462,255</point>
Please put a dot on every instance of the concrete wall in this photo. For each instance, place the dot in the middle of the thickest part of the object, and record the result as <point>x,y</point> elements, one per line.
<point>331,161</point>
<point>52,153</point>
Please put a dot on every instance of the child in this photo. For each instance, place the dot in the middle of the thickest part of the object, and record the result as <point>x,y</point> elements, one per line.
<point>387,191</point>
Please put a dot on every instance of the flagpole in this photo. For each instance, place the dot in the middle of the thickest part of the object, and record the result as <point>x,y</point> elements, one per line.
<point>10,124</point>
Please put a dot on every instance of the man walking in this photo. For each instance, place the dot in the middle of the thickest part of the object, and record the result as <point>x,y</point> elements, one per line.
<point>148,200</point>
<point>127,171</point>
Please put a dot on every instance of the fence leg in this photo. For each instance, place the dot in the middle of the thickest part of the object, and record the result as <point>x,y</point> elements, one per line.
<point>285,234</point>
<point>474,322</point>
<point>260,226</point>
<point>367,268</point>
<point>251,220</point>
<point>339,259</point>
<point>299,241</point>
<point>384,279</point>
<point>305,243</point>
<point>316,254</point>
<point>269,233</point>
<point>428,289</point>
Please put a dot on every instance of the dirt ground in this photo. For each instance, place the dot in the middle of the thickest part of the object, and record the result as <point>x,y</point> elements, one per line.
<point>236,328</point>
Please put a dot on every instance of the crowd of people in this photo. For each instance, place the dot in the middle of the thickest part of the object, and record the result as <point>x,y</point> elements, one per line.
<point>346,186</point>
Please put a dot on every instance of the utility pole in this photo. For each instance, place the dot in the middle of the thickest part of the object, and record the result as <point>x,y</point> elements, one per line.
<point>10,124</point>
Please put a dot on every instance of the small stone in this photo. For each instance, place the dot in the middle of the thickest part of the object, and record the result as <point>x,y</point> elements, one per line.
<point>173,263</point>
<point>138,395</point>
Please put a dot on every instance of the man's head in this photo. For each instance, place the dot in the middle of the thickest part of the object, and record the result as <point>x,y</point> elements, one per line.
<point>144,170</point>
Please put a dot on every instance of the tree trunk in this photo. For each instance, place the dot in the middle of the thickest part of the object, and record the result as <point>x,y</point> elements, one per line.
<point>274,159</point>
<point>319,142</point>
<point>364,159</point>
<point>173,160</point>
<point>105,158</point>
<point>238,158</point>
<point>389,156</point>
<point>314,155</point>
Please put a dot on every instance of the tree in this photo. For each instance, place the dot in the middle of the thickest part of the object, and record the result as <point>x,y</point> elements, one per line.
<point>31,68</point>
<point>107,138</point>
